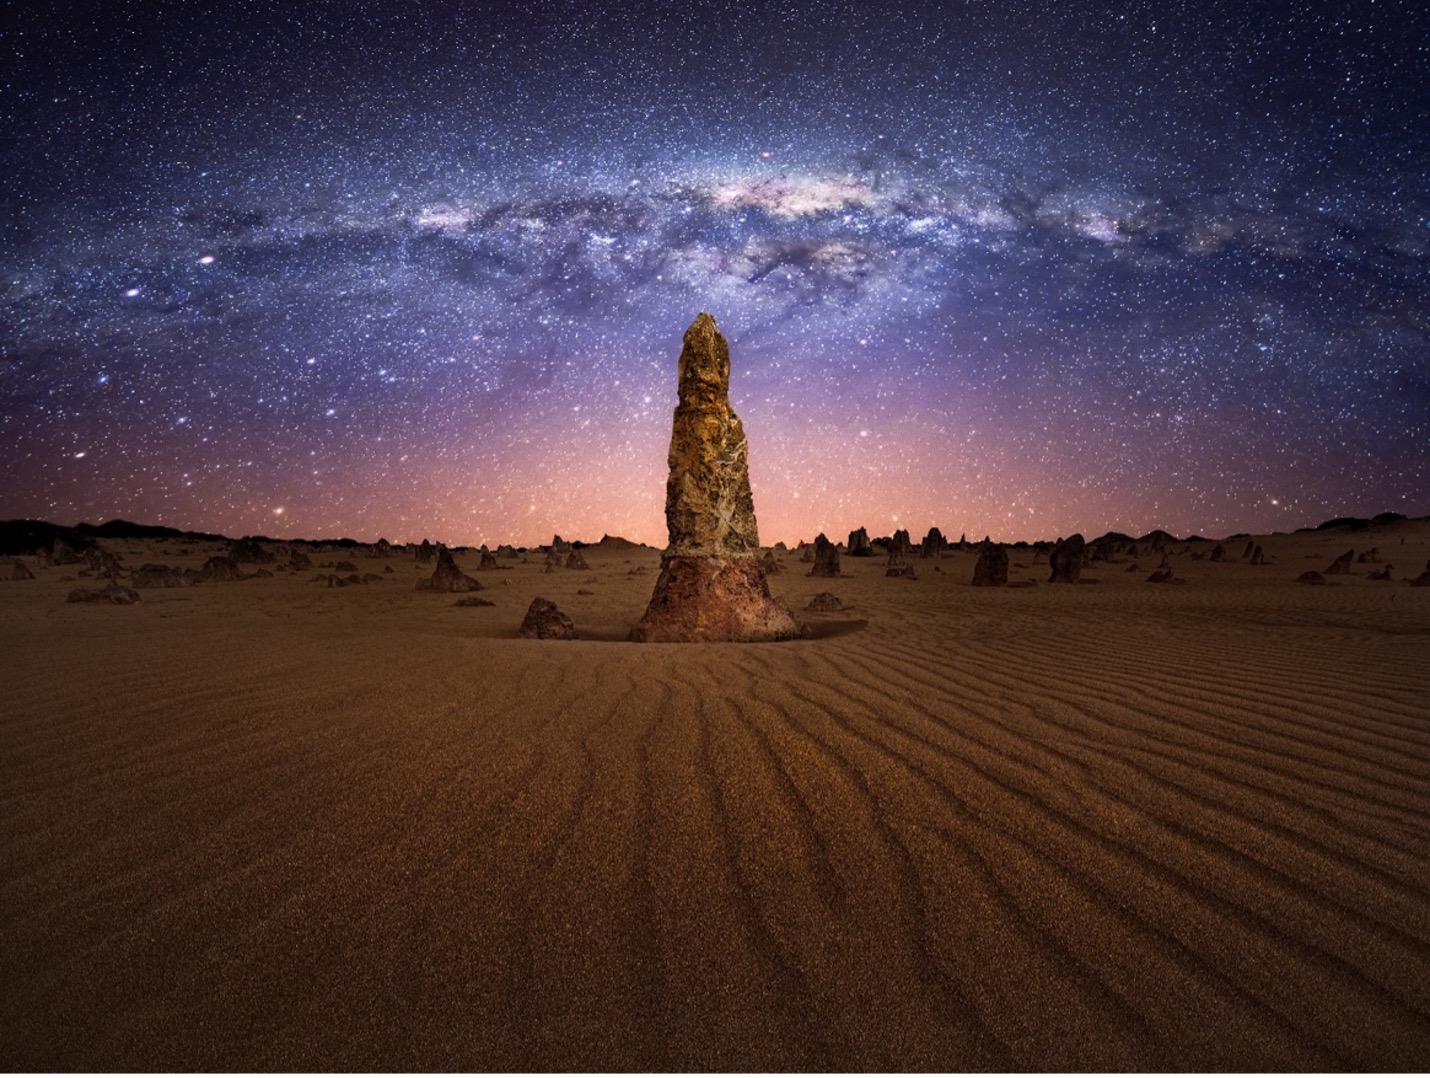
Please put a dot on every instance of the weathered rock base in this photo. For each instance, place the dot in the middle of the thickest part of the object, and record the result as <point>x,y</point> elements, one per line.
<point>709,599</point>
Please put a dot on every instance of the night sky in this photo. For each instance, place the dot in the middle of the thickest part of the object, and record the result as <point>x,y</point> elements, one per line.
<point>398,270</point>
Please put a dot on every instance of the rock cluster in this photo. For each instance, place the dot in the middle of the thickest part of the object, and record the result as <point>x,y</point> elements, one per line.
<point>150,575</point>
<point>252,551</point>
<point>217,569</point>
<point>712,583</point>
<point>116,594</point>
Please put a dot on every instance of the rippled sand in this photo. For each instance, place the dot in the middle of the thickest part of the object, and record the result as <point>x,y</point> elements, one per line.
<point>268,825</point>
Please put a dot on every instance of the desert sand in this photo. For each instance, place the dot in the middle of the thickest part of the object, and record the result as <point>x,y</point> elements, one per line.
<point>270,825</point>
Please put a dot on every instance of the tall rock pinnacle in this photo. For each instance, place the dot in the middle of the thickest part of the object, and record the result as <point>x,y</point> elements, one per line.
<point>708,505</point>
<point>712,585</point>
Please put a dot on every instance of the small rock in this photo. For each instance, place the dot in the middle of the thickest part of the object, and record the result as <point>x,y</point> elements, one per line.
<point>116,593</point>
<point>1342,565</point>
<point>545,621</point>
<point>825,602</point>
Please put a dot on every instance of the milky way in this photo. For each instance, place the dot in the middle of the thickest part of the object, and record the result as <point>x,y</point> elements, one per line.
<point>1015,269</point>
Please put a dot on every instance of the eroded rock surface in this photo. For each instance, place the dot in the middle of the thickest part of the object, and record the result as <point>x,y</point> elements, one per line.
<point>712,584</point>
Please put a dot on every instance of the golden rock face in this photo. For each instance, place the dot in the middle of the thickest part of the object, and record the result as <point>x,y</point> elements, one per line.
<point>708,505</point>
<point>712,583</point>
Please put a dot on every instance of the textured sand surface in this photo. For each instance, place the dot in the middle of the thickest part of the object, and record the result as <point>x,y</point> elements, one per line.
<point>268,825</point>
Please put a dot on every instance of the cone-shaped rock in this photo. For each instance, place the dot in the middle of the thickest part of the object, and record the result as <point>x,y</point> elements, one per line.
<point>712,585</point>
<point>826,557</point>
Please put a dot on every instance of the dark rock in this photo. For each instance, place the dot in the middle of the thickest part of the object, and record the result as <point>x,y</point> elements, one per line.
<point>1218,553</point>
<point>447,577</point>
<point>900,544</point>
<point>559,546</point>
<point>298,561</point>
<point>473,600</point>
<point>577,560</point>
<point>1371,556</point>
<point>933,545</point>
<point>806,552</point>
<point>150,575</point>
<point>1423,580</point>
<point>771,564</point>
<point>248,549</point>
<point>19,571</point>
<point>489,560</point>
<point>1250,549</point>
<point>858,545</point>
<point>61,553</point>
<point>1257,557</point>
<point>218,569</point>
<point>1342,565</point>
<point>1066,560</point>
<point>1164,576</point>
<point>545,621</point>
<point>1310,577</point>
<point>826,602</point>
<point>826,557</point>
<point>116,594</point>
<point>903,570</point>
<point>506,550</point>
<point>345,567</point>
<point>426,552</point>
<point>1383,574</point>
<point>992,568</point>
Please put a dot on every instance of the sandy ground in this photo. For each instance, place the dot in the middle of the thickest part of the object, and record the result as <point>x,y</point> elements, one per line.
<point>269,825</point>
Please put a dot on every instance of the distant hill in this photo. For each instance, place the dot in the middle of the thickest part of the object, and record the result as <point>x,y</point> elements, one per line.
<point>28,536</point>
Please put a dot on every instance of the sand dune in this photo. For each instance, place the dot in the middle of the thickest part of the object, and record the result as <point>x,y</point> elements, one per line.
<point>271,825</point>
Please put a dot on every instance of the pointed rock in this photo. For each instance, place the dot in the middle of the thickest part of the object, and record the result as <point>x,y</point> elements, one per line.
<point>712,584</point>
<point>1342,565</point>
<point>992,568</point>
<point>826,557</point>
<point>545,621</point>
<point>447,577</point>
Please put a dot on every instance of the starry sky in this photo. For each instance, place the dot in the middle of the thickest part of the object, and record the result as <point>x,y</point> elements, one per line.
<point>422,269</point>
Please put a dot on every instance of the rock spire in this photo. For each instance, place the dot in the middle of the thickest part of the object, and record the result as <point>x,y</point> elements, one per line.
<point>712,585</point>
